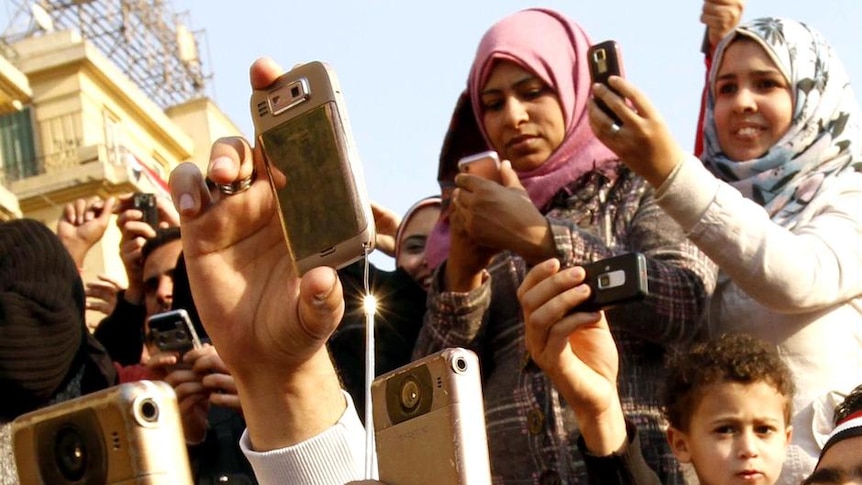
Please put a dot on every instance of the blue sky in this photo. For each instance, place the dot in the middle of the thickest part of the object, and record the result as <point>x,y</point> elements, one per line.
<point>402,63</point>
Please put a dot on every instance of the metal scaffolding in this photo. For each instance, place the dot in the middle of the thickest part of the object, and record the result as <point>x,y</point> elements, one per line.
<point>151,43</point>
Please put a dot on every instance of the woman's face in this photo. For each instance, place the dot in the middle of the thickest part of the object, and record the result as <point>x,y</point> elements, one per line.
<point>411,247</point>
<point>522,116</point>
<point>753,103</point>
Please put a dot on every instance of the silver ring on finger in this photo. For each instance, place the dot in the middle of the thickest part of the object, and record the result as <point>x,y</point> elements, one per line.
<point>614,129</point>
<point>237,186</point>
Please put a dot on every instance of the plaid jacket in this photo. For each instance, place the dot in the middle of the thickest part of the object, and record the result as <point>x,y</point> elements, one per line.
<point>532,433</point>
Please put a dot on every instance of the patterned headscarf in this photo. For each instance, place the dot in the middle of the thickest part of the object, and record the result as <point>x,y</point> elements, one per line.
<point>554,48</point>
<point>822,142</point>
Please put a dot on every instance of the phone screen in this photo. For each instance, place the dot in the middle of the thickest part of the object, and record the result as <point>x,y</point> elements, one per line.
<point>318,206</point>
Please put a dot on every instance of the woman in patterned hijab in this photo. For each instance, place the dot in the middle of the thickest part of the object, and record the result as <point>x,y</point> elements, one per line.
<point>776,203</point>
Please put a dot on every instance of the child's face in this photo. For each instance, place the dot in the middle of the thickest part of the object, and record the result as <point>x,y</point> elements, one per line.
<point>736,435</point>
<point>753,103</point>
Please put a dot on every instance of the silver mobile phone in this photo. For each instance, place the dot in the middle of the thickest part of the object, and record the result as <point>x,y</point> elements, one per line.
<point>301,123</point>
<point>485,165</point>
<point>429,422</point>
<point>130,433</point>
<point>172,331</point>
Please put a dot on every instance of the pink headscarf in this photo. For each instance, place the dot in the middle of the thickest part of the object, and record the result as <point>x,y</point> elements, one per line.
<point>554,48</point>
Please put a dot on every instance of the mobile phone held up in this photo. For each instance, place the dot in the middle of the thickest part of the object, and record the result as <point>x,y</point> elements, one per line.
<point>146,203</point>
<point>605,60</point>
<point>129,433</point>
<point>172,331</point>
<point>615,280</point>
<point>300,121</point>
<point>485,165</point>
<point>429,422</point>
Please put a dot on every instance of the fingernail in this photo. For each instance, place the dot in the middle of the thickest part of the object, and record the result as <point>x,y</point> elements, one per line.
<point>221,163</point>
<point>187,202</point>
<point>323,295</point>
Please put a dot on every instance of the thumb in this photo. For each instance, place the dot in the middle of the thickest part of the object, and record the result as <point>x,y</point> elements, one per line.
<point>321,302</point>
<point>509,176</point>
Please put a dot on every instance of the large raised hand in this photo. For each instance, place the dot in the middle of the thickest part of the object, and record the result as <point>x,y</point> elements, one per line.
<point>269,325</point>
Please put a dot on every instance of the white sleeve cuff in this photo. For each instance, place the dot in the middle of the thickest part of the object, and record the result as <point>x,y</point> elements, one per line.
<point>335,456</point>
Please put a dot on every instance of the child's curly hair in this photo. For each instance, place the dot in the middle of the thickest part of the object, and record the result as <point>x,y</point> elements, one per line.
<point>736,358</point>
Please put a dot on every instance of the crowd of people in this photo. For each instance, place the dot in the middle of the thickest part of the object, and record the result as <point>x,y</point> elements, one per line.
<point>728,371</point>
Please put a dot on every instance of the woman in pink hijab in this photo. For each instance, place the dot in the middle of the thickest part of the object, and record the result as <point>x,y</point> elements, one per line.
<point>564,195</point>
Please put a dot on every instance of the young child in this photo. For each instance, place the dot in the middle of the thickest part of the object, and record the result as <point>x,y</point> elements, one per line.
<point>728,403</point>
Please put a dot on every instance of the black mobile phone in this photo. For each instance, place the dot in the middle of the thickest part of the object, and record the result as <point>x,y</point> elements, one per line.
<point>172,331</point>
<point>301,123</point>
<point>615,280</point>
<point>605,60</point>
<point>146,203</point>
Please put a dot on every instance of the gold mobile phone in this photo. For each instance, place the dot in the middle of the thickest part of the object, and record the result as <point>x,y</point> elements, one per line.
<point>130,433</point>
<point>301,123</point>
<point>605,60</point>
<point>429,422</point>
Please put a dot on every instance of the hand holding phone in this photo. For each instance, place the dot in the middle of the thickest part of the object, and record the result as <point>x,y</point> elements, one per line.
<point>615,280</point>
<point>485,165</point>
<point>605,60</point>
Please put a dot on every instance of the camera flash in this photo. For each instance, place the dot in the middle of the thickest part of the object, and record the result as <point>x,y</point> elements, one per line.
<point>369,304</point>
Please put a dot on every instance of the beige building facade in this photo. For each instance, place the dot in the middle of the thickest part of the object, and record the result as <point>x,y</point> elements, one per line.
<point>80,128</point>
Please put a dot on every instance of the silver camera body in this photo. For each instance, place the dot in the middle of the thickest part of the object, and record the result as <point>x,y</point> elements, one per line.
<point>130,433</point>
<point>429,422</point>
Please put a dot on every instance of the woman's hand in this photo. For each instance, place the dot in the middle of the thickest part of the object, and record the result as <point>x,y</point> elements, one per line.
<point>502,217</point>
<point>643,142</point>
<point>386,224</point>
<point>720,17</point>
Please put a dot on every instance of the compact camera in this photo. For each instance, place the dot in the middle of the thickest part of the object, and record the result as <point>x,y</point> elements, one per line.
<point>130,433</point>
<point>429,422</point>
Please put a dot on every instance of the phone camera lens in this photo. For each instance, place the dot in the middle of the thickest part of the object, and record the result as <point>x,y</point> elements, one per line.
<point>149,410</point>
<point>294,91</point>
<point>181,335</point>
<point>70,454</point>
<point>604,281</point>
<point>459,365</point>
<point>410,394</point>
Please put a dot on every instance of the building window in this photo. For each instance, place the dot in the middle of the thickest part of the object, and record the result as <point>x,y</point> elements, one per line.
<point>18,147</point>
